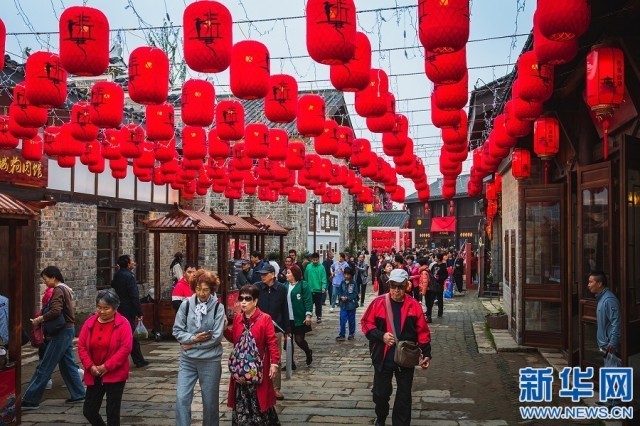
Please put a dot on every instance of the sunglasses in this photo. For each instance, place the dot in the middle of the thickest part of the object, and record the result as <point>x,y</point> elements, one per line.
<point>245,298</point>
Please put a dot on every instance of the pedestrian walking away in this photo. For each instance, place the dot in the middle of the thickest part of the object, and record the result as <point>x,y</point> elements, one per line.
<point>409,322</point>
<point>337,276</point>
<point>362,275</point>
<point>316,277</point>
<point>348,295</point>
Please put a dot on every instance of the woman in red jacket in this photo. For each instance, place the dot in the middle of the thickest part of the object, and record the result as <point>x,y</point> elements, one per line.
<point>254,404</point>
<point>104,347</point>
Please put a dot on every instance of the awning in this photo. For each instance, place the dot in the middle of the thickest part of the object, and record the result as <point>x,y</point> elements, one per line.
<point>443,224</point>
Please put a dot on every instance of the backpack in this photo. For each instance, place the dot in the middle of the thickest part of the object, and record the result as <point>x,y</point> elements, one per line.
<point>245,363</point>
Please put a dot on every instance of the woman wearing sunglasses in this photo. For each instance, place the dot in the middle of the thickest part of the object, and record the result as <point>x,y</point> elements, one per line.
<point>253,404</point>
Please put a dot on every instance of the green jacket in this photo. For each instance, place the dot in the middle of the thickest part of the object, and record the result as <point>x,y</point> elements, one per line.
<point>301,302</point>
<point>316,276</point>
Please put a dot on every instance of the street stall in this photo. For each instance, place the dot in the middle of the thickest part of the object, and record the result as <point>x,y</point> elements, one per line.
<point>14,215</point>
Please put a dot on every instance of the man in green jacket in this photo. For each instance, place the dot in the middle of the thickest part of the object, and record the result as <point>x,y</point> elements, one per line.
<point>316,276</point>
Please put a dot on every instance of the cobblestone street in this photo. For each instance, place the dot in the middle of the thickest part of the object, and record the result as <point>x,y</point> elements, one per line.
<point>462,387</point>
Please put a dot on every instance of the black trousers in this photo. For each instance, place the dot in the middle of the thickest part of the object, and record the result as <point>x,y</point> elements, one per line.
<point>363,291</point>
<point>430,297</point>
<point>93,402</point>
<point>136,353</point>
<point>329,290</point>
<point>382,389</point>
<point>318,300</point>
<point>458,279</point>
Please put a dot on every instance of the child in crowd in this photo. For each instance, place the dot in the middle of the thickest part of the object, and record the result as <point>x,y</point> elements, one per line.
<point>348,295</point>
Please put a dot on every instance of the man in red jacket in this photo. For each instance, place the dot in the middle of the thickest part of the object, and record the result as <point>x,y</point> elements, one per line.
<point>411,325</point>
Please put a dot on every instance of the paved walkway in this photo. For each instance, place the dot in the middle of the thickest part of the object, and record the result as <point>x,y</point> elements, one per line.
<point>462,387</point>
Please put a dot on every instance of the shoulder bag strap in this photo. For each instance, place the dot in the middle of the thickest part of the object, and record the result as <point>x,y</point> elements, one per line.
<point>186,314</point>
<point>390,315</point>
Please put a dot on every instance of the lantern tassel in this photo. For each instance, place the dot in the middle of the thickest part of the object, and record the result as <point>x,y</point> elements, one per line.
<point>605,129</point>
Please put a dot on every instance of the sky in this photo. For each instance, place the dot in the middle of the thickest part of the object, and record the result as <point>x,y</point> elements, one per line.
<point>389,24</point>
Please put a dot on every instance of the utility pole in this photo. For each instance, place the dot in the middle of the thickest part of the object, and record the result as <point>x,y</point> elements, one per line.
<point>315,223</point>
<point>355,227</point>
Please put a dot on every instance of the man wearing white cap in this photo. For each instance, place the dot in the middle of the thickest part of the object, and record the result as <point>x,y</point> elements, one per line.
<point>392,319</point>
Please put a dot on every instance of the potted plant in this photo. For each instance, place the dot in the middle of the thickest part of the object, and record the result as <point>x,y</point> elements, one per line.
<point>498,320</point>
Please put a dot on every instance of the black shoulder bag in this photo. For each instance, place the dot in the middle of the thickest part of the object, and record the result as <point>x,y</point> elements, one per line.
<point>53,327</point>
<point>407,353</point>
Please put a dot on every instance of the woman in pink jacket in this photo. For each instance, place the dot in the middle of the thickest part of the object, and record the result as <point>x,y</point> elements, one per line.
<point>104,347</point>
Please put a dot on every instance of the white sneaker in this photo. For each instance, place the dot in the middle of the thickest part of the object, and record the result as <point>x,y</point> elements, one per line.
<point>49,384</point>
<point>331,310</point>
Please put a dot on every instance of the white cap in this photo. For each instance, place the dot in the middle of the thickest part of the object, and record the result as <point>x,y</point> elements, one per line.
<point>398,276</point>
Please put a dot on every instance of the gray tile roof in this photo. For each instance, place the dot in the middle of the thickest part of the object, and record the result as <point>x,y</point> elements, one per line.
<point>436,189</point>
<point>387,218</point>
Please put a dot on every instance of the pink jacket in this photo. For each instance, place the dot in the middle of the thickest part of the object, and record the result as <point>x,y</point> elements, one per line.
<point>117,362</point>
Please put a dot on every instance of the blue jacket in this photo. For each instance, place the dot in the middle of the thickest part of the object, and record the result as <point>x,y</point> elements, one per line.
<point>608,315</point>
<point>351,291</point>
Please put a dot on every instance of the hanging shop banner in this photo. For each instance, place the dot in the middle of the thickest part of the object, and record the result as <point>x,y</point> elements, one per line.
<point>327,221</point>
<point>16,170</point>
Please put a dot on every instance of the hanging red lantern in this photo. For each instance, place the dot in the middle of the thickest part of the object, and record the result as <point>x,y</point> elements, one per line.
<point>46,80</point>
<point>208,36</point>
<point>99,166</point>
<point>448,191</point>
<point>239,158</point>
<point>552,52</point>
<point>310,115</point>
<point>345,142</point>
<point>50,136</point>
<point>331,31</point>
<point>295,156</point>
<point>250,69</point>
<point>452,96</point>
<point>256,138</point>
<point>111,144</point>
<point>327,142</point>
<point>25,114</point>
<point>492,209</point>
<point>92,153</point>
<point>498,183</point>
<point>218,148</point>
<point>148,75</point>
<point>194,143</point>
<point>535,79</point>
<point>230,120</point>
<point>385,122</point>
<point>371,168</point>
<point>441,118</point>
<point>21,132</point>
<point>456,135</point>
<point>546,137</point>
<point>563,20</point>
<point>3,39</point>
<point>165,150</point>
<point>278,142</point>
<point>514,127</point>
<point>80,125</point>
<point>70,146</point>
<point>354,75</point>
<point>605,85</point>
<point>32,149</point>
<point>66,161</point>
<point>526,111</point>
<point>131,136</point>
<point>372,101</point>
<point>361,148</point>
<point>446,68</point>
<point>499,133</point>
<point>7,140</point>
<point>197,102</point>
<point>491,193</point>
<point>160,121</point>
<point>84,41</point>
<point>107,104</point>
<point>281,104</point>
<point>443,25</point>
<point>521,163</point>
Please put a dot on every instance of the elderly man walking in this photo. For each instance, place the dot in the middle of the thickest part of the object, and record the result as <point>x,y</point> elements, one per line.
<point>388,312</point>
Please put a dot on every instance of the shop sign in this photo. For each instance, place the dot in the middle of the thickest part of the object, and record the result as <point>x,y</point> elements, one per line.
<point>16,170</point>
<point>327,221</point>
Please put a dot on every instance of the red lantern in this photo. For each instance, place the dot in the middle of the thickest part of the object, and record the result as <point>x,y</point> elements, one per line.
<point>354,75</point>
<point>514,127</point>
<point>239,158</point>
<point>208,36</point>
<point>345,142</point>
<point>148,75</point>
<point>492,209</point>
<point>256,138</point>
<point>46,80</point>
<point>499,133</point>
<point>198,102</point>
<point>280,105</point>
<point>372,101</point>
<point>131,136</point>
<point>526,111</point>
<point>361,148</point>
<point>32,149</point>
<point>605,85</point>
<point>7,140</point>
<point>521,163</point>
<point>69,146</point>
<point>218,148</point>
<point>441,118</point>
<point>98,167</point>
<point>443,25</point>
<point>81,126</point>
<point>25,114</point>
<point>230,120</point>
<point>563,20</point>
<point>91,154</point>
<point>456,135</point>
<point>295,156</point>
<point>452,96</point>
<point>3,39</point>
<point>535,79</point>
<point>552,52</point>
<point>278,142</point>
<point>310,115</point>
<point>194,143</point>
<point>19,131</point>
<point>107,104</point>
<point>331,31</point>
<point>84,41</point>
<point>160,122</point>
<point>498,183</point>
<point>546,137</point>
<point>327,142</point>
<point>449,191</point>
<point>111,144</point>
<point>491,193</point>
<point>250,69</point>
<point>165,150</point>
<point>147,158</point>
<point>385,122</point>
<point>66,161</point>
<point>446,68</point>
<point>52,145</point>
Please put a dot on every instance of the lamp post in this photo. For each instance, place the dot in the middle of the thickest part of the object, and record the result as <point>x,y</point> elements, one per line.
<point>355,227</point>
<point>315,222</point>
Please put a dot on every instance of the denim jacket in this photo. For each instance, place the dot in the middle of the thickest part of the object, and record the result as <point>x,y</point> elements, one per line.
<point>608,315</point>
<point>351,291</point>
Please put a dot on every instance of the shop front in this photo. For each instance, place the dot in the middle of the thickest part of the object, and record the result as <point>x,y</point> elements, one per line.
<point>443,232</point>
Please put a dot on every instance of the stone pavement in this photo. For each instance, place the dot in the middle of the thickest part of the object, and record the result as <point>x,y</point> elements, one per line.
<point>463,386</point>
